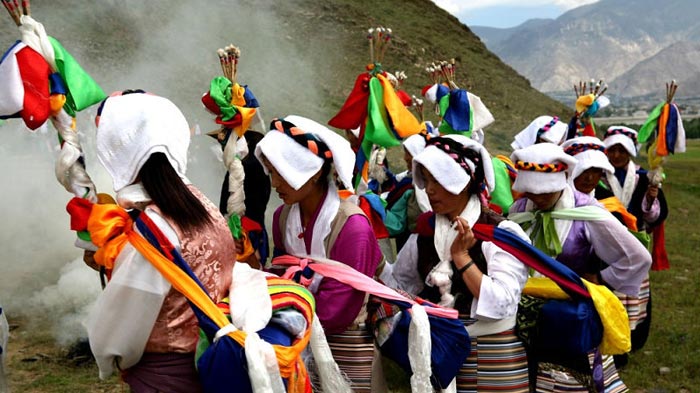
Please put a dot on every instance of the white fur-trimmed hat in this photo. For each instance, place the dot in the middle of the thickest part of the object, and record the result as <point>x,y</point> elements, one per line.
<point>541,168</point>
<point>296,163</point>
<point>133,126</point>
<point>625,136</point>
<point>547,128</point>
<point>589,152</point>
<point>453,177</point>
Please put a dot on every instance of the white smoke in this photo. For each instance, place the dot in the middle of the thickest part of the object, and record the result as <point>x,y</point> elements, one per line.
<point>167,48</point>
<point>68,302</point>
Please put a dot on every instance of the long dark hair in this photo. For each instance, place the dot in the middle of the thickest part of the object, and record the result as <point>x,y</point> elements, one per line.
<point>476,185</point>
<point>171,195</point>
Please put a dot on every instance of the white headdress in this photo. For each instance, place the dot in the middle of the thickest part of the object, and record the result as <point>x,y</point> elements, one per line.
<point>131,127</point>
<point>625,136</point>
<point>453,177</point>
<point>541,168</point>
<point>297,163</point>
<point>546,128</point>
<point>589,152</point>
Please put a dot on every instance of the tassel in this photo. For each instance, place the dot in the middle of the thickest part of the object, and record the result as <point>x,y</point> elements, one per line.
<point>441,276</point>
<point>419,347</point>
<point>332,380</point>
<point>263,370</point>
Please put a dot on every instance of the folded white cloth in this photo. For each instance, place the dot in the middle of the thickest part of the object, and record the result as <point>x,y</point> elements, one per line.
<point>589,153</point>
<point>297,164</point>
<point>447,171</point>
<point>134,126</point>
<point>541,182</point>
<point>528,136</point>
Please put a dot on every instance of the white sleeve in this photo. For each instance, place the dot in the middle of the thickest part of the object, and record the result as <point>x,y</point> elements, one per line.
<point>121,321</point>
<point>628,261</point>
<point>403,274</point>
<point>501,287</point>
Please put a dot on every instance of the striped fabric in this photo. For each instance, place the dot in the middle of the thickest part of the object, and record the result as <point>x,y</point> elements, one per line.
<point>556,379</point>
<point>353,351</point>
<point>288,294</point>
<point>636,306</point>
<point>497,363</point>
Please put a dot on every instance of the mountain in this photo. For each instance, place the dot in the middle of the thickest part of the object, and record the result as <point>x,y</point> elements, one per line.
<point>299,56</point>
<point>678,61</point>
<point>600,40</point>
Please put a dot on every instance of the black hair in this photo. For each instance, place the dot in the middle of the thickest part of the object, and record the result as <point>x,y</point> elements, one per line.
<point>477,181</point>
<point>460,154</point>
<point>171,195</point>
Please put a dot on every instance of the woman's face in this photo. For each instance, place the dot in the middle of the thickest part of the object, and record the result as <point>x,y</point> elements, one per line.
<point>287,193</point>
<point>588,179</point>
<point>618,156</point>
<point>408,158</point>
<point>442,201</point>
<point>544,201</point>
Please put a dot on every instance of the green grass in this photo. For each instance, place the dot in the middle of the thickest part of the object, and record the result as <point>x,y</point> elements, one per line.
<point>674,340</point>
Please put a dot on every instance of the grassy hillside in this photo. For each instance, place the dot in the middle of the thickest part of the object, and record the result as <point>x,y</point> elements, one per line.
<point>333,32</point>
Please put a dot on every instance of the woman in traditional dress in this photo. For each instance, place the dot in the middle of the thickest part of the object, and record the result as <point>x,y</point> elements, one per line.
<point>592,166</point>
<point>479,279</point>
<point>580,243</point>
<point>140,325</point>
<point>630,183</point>
<point>645,200</point>
<point>406,202</point>
<point>299,154</point>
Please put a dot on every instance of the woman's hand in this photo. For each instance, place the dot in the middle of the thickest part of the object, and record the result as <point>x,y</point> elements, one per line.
<point>464,241</point>
<point>652,193</point>
<point>239,246</point>
<point>89,259</point>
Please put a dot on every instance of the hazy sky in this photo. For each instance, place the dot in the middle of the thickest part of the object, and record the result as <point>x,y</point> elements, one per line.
<point>507,13</point>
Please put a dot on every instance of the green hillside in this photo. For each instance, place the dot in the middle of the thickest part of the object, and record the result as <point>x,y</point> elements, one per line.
<point>334,31</point>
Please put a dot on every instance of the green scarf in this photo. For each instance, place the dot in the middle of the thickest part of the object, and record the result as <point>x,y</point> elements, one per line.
<point>544,233</point>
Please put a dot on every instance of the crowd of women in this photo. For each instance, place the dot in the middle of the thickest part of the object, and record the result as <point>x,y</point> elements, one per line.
<point>143,139</point>
<point>483,247</point>
<point>432,210</point>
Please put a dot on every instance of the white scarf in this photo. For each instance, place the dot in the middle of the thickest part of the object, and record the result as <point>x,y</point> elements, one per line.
<point>445,234</point>
<point>321,229</point>
<point>624,192</point>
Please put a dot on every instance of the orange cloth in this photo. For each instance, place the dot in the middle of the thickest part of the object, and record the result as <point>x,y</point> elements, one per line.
<point>405,124</point>
<point>661,149</point>
<point>613,205</point>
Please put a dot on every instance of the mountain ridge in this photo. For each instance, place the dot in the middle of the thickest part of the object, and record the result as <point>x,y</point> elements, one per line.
<point>616,34</point>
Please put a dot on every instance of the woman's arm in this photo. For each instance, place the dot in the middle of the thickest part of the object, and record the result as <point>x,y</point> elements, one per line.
<point>501,288</point>
<point>337,305</point>
<point>626,257</point>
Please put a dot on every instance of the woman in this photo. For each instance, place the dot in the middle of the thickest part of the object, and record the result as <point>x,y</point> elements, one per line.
<point>406,202</point>
<point>645,200</point>
<point>298,154</point>
<point>479,279</point>
<point>580,243</point>
<point>630,183</point>
<point>544,129</point>
<point>140,325</point>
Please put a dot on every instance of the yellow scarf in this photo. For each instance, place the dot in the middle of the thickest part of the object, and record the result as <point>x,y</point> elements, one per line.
<point>616,326</point>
